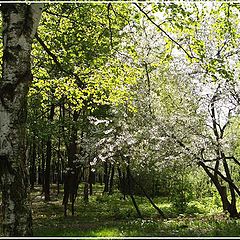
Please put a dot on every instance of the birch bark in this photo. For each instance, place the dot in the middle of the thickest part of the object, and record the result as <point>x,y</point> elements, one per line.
<point>20,23</point>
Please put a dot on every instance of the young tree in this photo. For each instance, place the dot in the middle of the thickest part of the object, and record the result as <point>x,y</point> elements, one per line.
<point>213,66</point>
<point>20,23</point>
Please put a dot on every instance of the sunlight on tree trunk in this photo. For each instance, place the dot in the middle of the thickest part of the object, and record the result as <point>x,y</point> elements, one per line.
<point>20,22</point>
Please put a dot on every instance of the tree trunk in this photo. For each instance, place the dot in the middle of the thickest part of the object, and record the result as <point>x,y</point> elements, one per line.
<point>232,208</point>
<point>130,189</point>
<point>19,27</point>
<point>91,180</point>
<point>39,165</point>
<point>86,185</point>
<point>160,212</point>
<point>122,182</point>
<point>221,190</point>
<point>43,168</point>
<point>74,179</point>
<point>106,177</point>
<point>58,176</point>
<point>111,180</point>
<point>33,164</point>
<point>48,160</point>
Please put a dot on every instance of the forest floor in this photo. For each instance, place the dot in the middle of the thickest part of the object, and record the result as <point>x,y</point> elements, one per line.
<point>111,216</point>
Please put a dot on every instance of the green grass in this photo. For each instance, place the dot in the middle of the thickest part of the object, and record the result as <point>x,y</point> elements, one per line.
<point>111,216</point>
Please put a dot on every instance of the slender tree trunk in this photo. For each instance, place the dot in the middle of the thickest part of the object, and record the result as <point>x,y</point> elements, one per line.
<point>91,181</point>
<point>58,176</point>
<point>130,188</point>
<point>59,157</point>
<point>48,160</point>
<point>148,197</point>
<point>218,132</point>
<point>122,182</point>
<point>19,26</point>
<point>111,180</point>
<point>53,172</point>
<point>33,164</point>
<point>72,145</point>
<point>39,165</point>
<point>100,178</point>
<point>39,180</point>
<point>86,185</point>
<point>47,171</point>
<point>43,167</point>
<point>106,177</point>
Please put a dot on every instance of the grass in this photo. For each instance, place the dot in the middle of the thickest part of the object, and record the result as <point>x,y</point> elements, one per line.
<point>111,216</point>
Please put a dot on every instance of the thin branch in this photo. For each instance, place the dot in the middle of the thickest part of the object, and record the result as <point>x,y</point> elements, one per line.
<point>56,61</point>
<point>222,47</point>
<point>149,86</point>
<point>208,160</point>
<point>234,159</point>
<point>162,30</point>
<point>58,15</point>
<point>110,24</point>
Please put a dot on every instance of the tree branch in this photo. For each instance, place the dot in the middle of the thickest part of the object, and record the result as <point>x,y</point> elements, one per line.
<point>55,59</point>
<point>162,30</point>
<point>234,159</point>
<point>230,182</point>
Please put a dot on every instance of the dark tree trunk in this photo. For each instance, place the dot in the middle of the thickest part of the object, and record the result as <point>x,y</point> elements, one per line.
<point>70,188</point>
<point>19,27</point>
<point>33,163</point>
<point>130,188</point>
<point>222,192</point>
<point>59,164</point>
<point>39,165</point>
<point>54,179</point>
<point>111,180</point>
<point>72,146</point>
<point>39,172</point>
<point>219,132</point>
<point>48,160</point>
<point>100,178</point>
<point>58,176</point>
<point>47,170</point>
<point>71,191</point>
<point>160,212</point>
<point>106,178</point>
<point>91,181</point>
<point>232,208</point>
<point>122,183</point>
<point>43,168</point>
<point>86,185</point>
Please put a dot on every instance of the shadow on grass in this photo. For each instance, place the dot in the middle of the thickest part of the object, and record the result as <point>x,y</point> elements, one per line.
<point>110,216</point>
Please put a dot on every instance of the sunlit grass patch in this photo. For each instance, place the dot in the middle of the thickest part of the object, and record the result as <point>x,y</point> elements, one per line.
<point>111,216</point>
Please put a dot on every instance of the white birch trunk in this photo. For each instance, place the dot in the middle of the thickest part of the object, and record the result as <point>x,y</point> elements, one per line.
<point>20,22</point>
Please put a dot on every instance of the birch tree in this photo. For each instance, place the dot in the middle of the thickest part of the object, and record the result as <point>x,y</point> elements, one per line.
<point>20,23</point>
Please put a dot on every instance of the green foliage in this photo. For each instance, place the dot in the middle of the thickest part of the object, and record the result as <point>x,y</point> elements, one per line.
<point>80,43</point>
<point>77,69</point>
<point>180,190</point>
